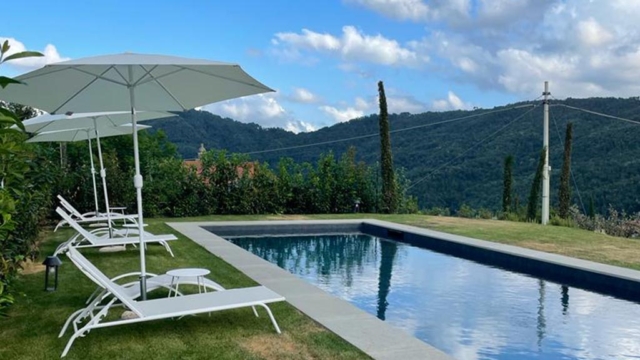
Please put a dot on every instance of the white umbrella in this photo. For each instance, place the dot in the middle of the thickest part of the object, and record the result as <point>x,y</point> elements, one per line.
<point>132,82</point>
<point>97,131</point>
<point>101,123</point>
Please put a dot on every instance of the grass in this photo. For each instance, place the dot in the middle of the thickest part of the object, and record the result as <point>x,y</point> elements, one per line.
<point>31,331</point>
<point>35,320</point>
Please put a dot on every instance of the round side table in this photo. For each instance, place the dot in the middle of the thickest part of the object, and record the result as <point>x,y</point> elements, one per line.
<point>197,273</point>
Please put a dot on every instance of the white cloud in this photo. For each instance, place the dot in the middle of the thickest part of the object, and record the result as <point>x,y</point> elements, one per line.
<point>396,105</point>
<point>303,95</point>
<point>50,53</point>
<point>262,109</point>
<point>452,102</point>
<point>418,10</point>
<point>344,114</point>
<point>414,10</point>
<point>361,107</point>
<point>591,33</point>
<point>583,48</point>
<point>353,45</point>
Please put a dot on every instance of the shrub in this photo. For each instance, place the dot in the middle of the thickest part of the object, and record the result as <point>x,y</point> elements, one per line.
<point>485,213</point>
<point>615,224</point>
<point>466,211</point>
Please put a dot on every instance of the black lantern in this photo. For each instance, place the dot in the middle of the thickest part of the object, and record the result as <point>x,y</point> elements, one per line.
<point>51,273</point>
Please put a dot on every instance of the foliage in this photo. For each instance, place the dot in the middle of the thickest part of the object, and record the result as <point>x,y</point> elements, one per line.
<point>507,192</point>
<point>534,194</point>
<point>484,213</point>
<point>603,155</point>
<point>438,211</point>
<point>614,224</point>
<point>564,193</point>
<point>466,211</point>
<point>22,191</point>
<point>560,221</point>
<point>389,195</point>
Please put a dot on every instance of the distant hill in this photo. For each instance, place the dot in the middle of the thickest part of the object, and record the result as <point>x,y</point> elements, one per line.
<point>606,161</point>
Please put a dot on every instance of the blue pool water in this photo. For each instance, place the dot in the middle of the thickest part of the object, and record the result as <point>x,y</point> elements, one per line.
<point>469,310</point>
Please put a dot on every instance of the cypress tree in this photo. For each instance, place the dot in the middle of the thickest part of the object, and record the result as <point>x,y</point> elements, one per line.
<point>508,181</point>
<point>534,195</point>
<point>592,208</point>
<point>564,193</point>
<point>389,196</point>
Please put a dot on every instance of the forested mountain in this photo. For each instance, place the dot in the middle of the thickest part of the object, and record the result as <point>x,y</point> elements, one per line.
<point>458,161</point>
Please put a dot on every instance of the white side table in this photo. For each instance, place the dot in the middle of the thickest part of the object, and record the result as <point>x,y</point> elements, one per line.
<point>197,273</point>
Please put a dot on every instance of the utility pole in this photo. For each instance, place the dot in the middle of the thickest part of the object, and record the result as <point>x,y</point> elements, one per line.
<point>546,168</point>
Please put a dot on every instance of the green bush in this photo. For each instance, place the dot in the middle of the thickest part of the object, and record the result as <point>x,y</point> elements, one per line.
<point>485,213</point>
<point>466,211</point>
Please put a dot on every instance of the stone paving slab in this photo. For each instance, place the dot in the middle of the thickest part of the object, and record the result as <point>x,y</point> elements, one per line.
<point>373,336</point>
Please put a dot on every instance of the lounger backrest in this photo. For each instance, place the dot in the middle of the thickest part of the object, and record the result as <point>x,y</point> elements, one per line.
<point>102,280</point>
<point>82,231</point>
<point>69,207</point>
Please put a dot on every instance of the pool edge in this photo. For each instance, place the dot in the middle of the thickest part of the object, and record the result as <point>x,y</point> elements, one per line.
<point>373,336</point>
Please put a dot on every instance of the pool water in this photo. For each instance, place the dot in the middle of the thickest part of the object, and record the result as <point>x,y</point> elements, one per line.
<point>468,310</point>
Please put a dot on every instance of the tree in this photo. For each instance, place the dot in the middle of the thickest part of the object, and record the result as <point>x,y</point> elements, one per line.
<point>534,194</point>
<point>507,184</point>
<point>564,194</point>
<point>389,193</point>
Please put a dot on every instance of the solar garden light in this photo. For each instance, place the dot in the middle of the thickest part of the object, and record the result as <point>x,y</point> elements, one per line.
<point>356,206</point>
<point>51,273</point>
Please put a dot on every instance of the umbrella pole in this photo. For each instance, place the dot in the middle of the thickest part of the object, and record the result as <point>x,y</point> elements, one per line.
<point>103,175</point>
<point>137,183</point>
<point>93,175</point>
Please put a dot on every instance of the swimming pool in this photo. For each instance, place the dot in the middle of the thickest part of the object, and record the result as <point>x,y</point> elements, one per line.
<point>469,310</point>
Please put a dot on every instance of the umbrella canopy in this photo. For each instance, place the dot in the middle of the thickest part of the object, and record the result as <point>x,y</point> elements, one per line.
<point>84,134</point>
<point>101,83</point>
<point>132,82</point>
<point>77,121</point>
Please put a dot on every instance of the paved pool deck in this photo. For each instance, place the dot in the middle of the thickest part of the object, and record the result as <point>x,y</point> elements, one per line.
<point>365,331</point>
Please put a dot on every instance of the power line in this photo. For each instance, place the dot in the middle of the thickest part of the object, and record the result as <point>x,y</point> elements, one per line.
<point>575,184</point>
<point>598,113</point>
<point>392,131</point>
<point>471,148</point>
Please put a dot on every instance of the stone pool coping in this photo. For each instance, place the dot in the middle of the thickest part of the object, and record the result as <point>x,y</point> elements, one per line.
<point>365,331</point>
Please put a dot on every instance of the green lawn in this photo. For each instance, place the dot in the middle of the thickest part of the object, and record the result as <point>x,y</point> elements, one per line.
<point>35,320</point>
<point>31,331</point>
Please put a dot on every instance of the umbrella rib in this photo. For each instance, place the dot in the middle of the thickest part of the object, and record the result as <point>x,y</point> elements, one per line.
<point>126,83</point>
<point>146,72</point>
<point>81,90</point>
<point>100,76</point>
<point>140,82</point>
<point>167,91</point>
<point>224,77</point>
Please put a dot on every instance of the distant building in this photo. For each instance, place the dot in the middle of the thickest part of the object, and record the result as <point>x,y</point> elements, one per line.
<point>197,164</point>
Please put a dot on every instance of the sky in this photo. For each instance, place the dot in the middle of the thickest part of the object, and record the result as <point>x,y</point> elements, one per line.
<point>324,58</point>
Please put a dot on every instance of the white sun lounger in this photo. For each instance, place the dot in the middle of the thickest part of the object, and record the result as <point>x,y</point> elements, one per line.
<point>133,290</point>
<point>91,217</point>
<point>85,238</point>
<point>166,307</point>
